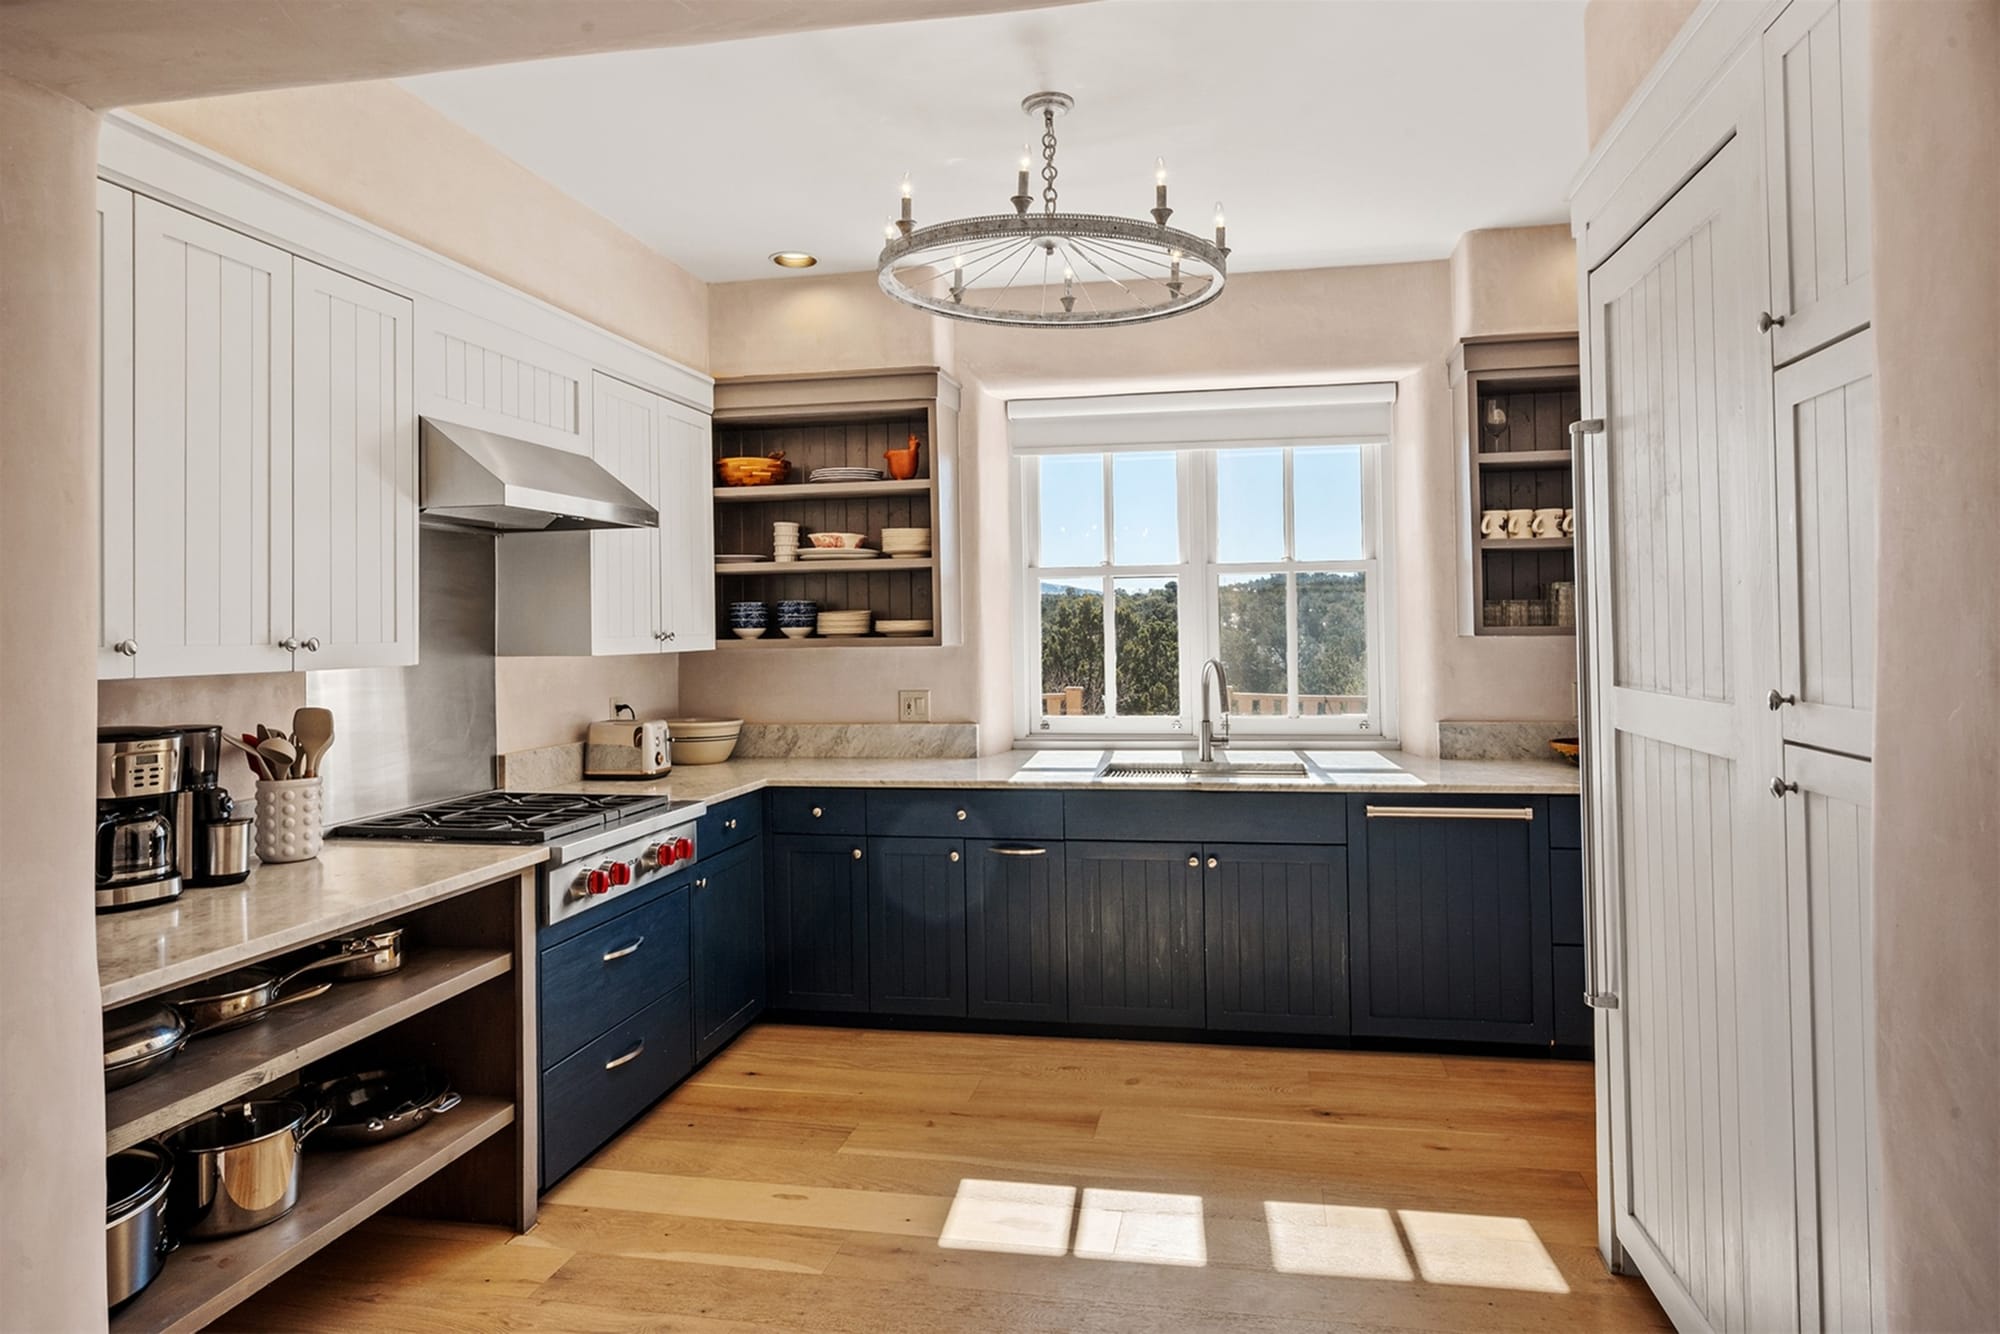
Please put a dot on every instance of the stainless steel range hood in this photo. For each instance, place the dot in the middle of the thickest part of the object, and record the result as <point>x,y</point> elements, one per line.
<point>476,479</point>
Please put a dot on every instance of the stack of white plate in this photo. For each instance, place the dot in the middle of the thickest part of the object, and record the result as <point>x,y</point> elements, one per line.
<point>839,553</point>
<point>846,475</point>
<point>903,627</point>
<point>906,543</point>
<point>784,541</point>
<point>837,623</point>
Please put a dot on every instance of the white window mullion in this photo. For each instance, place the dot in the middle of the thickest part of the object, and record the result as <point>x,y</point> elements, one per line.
<point>1292,706</point>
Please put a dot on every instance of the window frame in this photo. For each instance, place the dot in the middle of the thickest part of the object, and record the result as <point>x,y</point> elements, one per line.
<point>1197,574</point>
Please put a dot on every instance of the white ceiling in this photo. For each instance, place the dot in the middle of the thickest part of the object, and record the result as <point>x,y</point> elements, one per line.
<point>1336,131</point>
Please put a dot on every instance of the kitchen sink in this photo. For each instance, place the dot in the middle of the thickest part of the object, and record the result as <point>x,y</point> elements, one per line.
<point>1190,768</point>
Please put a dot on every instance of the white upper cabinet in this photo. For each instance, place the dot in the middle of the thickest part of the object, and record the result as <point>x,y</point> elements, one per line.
<point>687,527</point>
<point>117,650</point>
<point>1816,142</point>
<point>354,472</point>
<point>1827,497</point>
<point>212,448</point>
<point>483,374</point>
<point>625,562</point>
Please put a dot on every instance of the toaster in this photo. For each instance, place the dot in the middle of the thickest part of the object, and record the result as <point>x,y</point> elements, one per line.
<point>625,748</point>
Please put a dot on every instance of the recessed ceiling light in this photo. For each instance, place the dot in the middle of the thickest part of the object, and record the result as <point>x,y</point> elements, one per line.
<point>794,259</point>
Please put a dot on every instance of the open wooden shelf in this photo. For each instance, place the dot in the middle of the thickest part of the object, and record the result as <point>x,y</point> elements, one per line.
<point>337,1190</point>
<point>727,641</point>
<point>213,1070</point>
<point>884,565</point>
<point>1526,543</point>
<point>1524,458</point>
<point>821,491</point>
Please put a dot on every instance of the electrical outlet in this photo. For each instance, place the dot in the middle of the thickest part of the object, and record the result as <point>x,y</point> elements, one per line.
<point>913,706</point>
<point>617,703</point>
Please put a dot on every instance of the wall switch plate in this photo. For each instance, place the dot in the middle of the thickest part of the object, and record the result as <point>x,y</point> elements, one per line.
<point>913,706</point>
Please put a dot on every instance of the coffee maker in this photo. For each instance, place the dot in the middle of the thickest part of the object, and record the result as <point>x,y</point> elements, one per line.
<point>142,811</point>
<point>214,844</point>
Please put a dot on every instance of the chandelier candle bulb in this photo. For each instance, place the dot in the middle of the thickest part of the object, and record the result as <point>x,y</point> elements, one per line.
<point>1221,231</point>
<point>905,223</point>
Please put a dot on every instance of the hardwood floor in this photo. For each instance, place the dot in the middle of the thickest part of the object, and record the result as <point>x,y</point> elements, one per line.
<point>894,1183</point>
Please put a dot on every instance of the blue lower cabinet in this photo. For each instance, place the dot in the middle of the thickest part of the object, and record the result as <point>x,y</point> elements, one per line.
<point>611,970</point>
<point>817,923</point>
<point>1573,1026</point>
<point>1135,936</point>
<point>1276,923</point>
<point>1449,918</point>
<point>916,926</point>
<point>1016,946</point>
<point>594,1093</point>
<point>726,911</point>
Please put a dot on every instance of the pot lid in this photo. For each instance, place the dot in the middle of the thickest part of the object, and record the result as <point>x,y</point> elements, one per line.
<point>134,1175</point>
<point>144,1028</point>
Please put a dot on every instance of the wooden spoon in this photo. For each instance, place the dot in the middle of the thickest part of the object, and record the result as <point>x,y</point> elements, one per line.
<point>248,748</point>
<point>278,755</point>
<point>312,729</point>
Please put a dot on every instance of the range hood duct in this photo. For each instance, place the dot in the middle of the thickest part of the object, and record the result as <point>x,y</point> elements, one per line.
<point>496,483</point>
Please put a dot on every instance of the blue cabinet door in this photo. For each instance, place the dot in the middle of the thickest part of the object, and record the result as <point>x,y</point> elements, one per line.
<point>818,923</point>
<point>1016,947</point>
<point>727,906</point>
<point>1449,918</point>
<point>1276,922</point>
<point>1135,937</point>
<point>916,926</point>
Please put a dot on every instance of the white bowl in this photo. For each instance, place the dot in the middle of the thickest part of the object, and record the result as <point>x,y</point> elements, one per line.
<point>703,729</point>
<point>795,631</point>
<point>704,750</point>
<point>747,631</point>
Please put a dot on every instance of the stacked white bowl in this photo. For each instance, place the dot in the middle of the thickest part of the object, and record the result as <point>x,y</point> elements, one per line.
<point>784,541</point>
<point>906,543</point>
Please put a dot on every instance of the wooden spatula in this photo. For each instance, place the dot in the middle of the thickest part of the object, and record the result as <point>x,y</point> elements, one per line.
<point>312,731</point>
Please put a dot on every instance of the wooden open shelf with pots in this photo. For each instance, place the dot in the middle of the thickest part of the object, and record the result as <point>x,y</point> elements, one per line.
<point>1525,465</point>
<point>840,420</point>
<point>463,1001</point>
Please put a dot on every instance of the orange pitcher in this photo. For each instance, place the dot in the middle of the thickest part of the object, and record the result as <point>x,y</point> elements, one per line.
<point>903,462</point>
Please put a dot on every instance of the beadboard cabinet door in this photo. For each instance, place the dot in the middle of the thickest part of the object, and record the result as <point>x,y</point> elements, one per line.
<point>1827,494</point>
<point>1135,935</point>
<point>1016,935</point>
<point>818,915</point>
<point>916,926</point>
<point>117,649</point>
<point>624,563</point>
<point>1816,146</point>
<point>687,528</point>
<point>212,447</point>
<point>727,911</point>
<point>354,472</point>
<point>1276,921</point>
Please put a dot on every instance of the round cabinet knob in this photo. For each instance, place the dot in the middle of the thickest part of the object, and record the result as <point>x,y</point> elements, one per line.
<point>961,814</point>
<point>312,644</point>
<point>671,634</point>
<point>683,849</point>
<point>128,647</point>
<point>1766,321</point>
<point>288,644</point>
<point>817,812</point>
<point>729,824</point>
<point>701,883</point>
<point>954,854</point>
<point>1778,701</point>
<point>1779,787</point>
<point>1213,863</point>
<point>1194,861</point>
<point>857,854</point>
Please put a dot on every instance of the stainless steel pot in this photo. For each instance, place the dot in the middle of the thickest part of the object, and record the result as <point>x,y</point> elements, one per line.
<point>139,1039</point>
<point>354,957</point>
<point>242,996</point>
<point>135,1217</point>
<point>238,1166</point>
<point>372,1106</point>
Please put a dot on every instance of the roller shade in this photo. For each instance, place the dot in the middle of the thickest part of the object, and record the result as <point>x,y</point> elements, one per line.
<point>1344,414</point>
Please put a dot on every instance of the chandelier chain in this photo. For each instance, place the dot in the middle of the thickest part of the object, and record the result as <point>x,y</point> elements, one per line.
<point>1048,160</point>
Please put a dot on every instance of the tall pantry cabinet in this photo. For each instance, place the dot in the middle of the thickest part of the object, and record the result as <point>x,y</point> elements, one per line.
<point>1727,495</point>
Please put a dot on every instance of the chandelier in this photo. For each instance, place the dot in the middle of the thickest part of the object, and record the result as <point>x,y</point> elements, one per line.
<point>1049,267</point>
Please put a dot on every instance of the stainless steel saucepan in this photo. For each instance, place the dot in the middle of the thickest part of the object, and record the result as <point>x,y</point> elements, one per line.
<point>237,1167</point>
<point>139,1039</point>
<point>376,954</point>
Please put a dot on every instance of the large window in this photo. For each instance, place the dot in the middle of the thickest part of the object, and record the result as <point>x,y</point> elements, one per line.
<point>1140,564</point>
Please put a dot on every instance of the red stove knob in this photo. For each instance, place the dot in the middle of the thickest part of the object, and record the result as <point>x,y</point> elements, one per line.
<point>621,873</point>
<point>683,849</point>
<point>663,854</point>
<point>595,881</point>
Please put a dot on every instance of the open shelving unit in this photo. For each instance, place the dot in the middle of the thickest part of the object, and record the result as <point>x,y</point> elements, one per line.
<point>1526,465</point>
<point>840,420</point>
<point>463,1001</point>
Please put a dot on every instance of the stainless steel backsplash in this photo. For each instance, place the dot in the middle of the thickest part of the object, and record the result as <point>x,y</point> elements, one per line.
<point>405,735</point>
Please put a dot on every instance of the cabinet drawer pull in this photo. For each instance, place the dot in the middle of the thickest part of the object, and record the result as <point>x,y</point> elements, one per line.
<point>620,953</point>
<point>857,854</point>
<point>961,812</point>
<point>817,812</point>
<point>628,1057</point>
<point>1451,812</point>
<point>729,823</point>
<point>999,851</point>
<point>701,882</point>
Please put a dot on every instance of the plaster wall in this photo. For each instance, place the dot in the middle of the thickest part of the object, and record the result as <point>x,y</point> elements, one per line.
<point>1513,280</point>
<point>1622,40</point>
<point>52,1094</point>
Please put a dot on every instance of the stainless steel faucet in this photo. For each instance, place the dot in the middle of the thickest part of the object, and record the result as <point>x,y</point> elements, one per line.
<point>1210,737</point>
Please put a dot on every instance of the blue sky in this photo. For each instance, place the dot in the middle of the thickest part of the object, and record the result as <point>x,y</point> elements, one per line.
<point>1249,513</point>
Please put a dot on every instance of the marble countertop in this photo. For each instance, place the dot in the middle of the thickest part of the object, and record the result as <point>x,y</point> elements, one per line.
<point>145,951</point>
<point>1331,771</point>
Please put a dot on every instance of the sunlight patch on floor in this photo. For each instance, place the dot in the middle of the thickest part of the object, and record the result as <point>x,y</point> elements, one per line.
<point>1335,1241</point>
<point>1012,1217</point>
<point>1480,1251</point>
<point>1143,1226</point>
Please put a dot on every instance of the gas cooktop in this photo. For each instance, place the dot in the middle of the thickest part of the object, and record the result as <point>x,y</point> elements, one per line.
<point>508,817</point>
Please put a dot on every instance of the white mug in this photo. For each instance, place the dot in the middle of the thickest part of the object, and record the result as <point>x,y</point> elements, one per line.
<point>1569,523</point>
<point>1548,522</point>
<point>1493,523</point>
<point>1519,522</point>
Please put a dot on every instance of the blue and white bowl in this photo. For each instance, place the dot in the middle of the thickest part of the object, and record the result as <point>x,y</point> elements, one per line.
<point>743,615</point>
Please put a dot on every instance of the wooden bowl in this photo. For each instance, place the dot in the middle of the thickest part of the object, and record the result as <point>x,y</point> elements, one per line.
<point>1568,747</point>
<point>751,471</point>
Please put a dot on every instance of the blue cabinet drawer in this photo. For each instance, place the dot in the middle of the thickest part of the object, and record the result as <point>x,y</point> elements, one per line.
<point>965,813</point>
<point>729,823</point>
<point>818,810</point>
<point>1207,817</point>
<point>610,971</point>
<point>591,1096</point>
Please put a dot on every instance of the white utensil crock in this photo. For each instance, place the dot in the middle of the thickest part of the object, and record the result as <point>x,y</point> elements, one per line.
<point>289,827</point>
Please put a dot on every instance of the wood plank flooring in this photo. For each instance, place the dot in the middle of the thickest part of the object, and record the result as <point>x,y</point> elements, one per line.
<point>835,1180</point>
